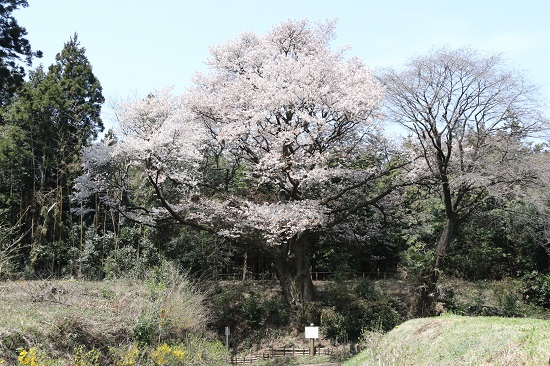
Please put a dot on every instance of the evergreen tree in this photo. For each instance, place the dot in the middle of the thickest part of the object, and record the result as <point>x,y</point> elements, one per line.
<point>60,113</point>
<point>14,48</point>
<point>80,119</point>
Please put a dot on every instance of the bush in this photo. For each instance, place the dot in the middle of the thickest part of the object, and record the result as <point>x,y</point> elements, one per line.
<point>536,289</point>
<point>193,350</point>
<point>246,310</point>
<point>508,298</point>
<point>355,309</point>
<point>169,308</point>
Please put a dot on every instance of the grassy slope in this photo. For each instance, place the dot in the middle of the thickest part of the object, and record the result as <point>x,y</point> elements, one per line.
<point>28,305</point>
<point>57,317</point>
<point>457,340</point>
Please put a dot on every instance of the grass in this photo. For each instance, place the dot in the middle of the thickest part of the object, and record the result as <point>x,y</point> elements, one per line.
<point>459,340</point>
<point>35,308</point>
<point>64,319</point>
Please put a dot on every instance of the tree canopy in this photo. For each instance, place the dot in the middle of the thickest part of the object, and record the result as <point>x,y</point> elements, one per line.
<point>471,122</point>
<point>276,143</point>
<point>14,50</point>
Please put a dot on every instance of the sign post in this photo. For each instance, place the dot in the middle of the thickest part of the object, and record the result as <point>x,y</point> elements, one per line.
<point>227,333</point>
<point>312,333</point>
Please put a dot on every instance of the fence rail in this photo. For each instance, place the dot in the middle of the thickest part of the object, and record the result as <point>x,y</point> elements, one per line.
<point>315,276</point>
<point>278,352</point>
<point>244,360</point>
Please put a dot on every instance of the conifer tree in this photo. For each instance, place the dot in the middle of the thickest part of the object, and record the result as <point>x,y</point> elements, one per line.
<point>15,50</point>
<point>60,113</point>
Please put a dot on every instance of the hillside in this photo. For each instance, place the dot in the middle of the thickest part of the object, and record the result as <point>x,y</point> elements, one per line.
<point>458,340</point>
<point>119,322</point>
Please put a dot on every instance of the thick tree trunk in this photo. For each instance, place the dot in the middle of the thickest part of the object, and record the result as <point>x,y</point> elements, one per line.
<point>292,267</point>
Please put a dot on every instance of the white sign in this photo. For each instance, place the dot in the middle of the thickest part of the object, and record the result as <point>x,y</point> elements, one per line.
<point>312,332</point>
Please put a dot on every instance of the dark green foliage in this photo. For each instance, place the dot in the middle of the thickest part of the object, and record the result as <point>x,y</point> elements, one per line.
<point>52,117</point>
<point>508,298</point>
<point>90,258</point>
<point>120,261</point>
<point>199,253</point>
<point>536,289</point>
<point>83,95</point>
<point>15,50</point>
<point>246,310</point>
<point>485,298</point>
<point>131,252</point>
<point>351,309</point>
<point>145,330</point>
<point>372,242</point>
<point>49,260</point>
<point>500,242</point>
<point>15,156</point>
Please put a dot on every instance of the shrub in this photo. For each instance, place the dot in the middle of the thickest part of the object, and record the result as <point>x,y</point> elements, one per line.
<point>166,355</point>
<point>536,289</point>
<point>508,298</point>
<point>333,324</point>
<point>170,306</point>
<point>354,309</point>
<point>192,351</point>
<point>128,356</point>
<point>89,259</point>
<point>28,358</point>
<point>240,307</point>
<point>86,358</point>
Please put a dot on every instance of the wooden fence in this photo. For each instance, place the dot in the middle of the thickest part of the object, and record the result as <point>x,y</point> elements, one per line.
<point>278,352</point>
<point>315,276</point>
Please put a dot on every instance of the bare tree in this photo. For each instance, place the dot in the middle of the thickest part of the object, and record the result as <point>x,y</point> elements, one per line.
<point>471,123</point>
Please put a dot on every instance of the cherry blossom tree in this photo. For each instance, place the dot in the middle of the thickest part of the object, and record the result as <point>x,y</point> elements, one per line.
<point>472,123</point>
<point>272,146</point>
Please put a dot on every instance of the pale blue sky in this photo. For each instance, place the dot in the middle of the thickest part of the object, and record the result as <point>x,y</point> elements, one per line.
<point>137,48</point>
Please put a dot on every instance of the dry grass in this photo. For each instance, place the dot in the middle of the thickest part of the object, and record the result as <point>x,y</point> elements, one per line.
<point>60,316</point>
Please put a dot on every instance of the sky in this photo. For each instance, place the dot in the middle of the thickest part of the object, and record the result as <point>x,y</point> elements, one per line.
<point>135,49</point>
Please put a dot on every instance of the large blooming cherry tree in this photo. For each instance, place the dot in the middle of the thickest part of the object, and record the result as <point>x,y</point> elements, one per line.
<point>275,144</point>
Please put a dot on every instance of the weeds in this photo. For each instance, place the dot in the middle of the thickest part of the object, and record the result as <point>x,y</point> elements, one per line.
<point>119,322</point>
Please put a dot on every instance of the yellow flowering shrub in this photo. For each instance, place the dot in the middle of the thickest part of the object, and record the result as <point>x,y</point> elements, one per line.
<point>166,355</point>
<point>90,358</point>
<point>28,358</point>
<point>128,357</point>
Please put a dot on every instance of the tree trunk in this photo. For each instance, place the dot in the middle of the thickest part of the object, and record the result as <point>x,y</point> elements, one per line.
<point>443,244</point>
<point>292,267</point>
<point>430,294</point>
<point>245,264</point>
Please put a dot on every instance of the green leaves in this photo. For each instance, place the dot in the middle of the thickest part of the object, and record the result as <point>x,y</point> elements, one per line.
<point>81,90</point>
<point>14,48</point>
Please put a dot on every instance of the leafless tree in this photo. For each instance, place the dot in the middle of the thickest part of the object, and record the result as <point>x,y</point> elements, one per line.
<point>472,123</point>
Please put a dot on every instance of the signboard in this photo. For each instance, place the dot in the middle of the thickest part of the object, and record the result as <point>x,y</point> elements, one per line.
<point>312,332</point>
